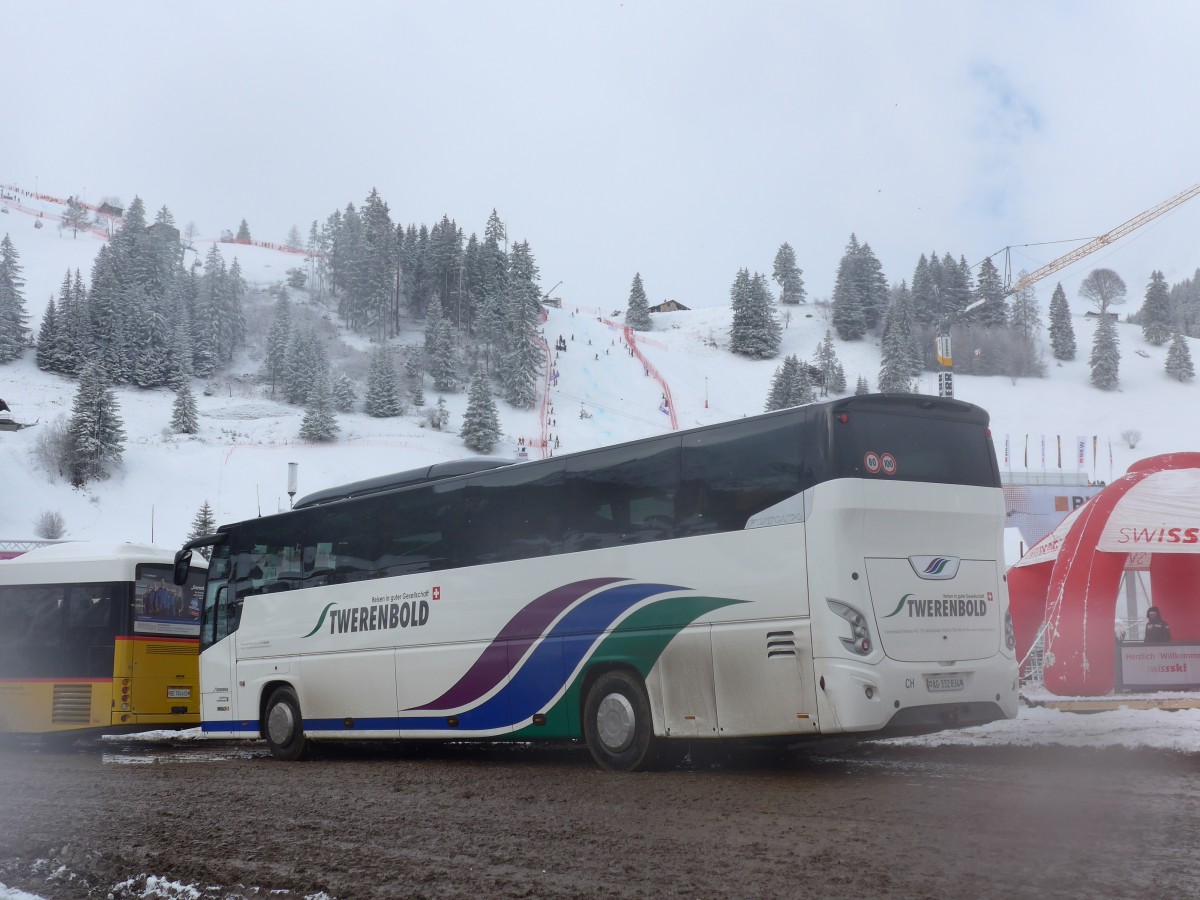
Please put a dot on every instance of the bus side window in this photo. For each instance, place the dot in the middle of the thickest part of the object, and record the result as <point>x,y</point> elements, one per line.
<point>693,508</point>
<point>89,629</point>
<point>515,514</point>
<point>613,493</point>
<point>736,470</point>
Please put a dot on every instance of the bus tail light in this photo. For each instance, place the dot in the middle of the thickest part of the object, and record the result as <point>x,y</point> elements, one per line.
<point>859,642</point>
<point>124,693</point>
<point>1010,635</point>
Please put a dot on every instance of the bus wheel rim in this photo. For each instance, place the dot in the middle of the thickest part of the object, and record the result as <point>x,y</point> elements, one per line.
<point>281,724</point>
<point>616,722</point>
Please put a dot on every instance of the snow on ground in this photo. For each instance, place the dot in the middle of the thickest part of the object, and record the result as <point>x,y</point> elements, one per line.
<point>1155,729</point>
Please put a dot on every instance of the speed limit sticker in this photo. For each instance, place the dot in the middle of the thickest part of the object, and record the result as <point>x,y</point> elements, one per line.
<point>888,463</point>
<point>871,462</point>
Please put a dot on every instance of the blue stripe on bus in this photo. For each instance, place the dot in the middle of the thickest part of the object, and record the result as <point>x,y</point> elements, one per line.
<point>376,723</point>
<point>222,726</point>
<point>545,672</point>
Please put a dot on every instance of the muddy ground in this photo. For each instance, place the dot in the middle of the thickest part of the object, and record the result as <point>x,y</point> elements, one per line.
<point>101,818</point>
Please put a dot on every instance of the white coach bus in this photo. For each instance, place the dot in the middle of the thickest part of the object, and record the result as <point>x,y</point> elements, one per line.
<point>827,569</point>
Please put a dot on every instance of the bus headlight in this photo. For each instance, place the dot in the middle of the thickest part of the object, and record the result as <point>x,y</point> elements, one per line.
<point>859,642</point>
<point>1010,634</point>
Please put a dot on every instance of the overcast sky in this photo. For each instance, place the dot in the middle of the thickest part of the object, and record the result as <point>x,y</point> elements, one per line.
<point>681,140</point>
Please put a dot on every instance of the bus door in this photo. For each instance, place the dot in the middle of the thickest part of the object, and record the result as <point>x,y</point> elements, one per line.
<point>218,651</point>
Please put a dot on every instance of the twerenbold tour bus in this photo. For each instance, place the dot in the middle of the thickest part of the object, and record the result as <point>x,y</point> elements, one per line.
<point>95,637</point>
<point>828,569</point>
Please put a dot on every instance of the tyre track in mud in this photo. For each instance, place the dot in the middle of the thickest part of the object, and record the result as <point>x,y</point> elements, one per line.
<point>503,821</point>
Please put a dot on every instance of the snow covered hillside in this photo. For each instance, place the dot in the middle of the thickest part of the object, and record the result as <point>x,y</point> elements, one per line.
<point>239,460</point>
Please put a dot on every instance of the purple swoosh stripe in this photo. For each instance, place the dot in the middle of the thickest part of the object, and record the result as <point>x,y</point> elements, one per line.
<point>531,621</point>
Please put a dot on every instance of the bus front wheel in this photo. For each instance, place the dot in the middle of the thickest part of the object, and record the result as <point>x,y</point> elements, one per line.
<point>282,726</point>
<point>617,724</point>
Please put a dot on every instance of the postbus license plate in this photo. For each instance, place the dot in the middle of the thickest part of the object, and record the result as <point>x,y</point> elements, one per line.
<point>945,682</point>
<point>186,693</point>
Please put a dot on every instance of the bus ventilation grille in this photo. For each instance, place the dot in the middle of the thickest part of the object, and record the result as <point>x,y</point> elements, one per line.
<point>781,644</point>
<point>171,649</point>
<point>72,704</point>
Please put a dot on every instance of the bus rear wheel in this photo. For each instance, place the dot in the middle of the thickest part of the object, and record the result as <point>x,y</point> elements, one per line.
<point>283,727</point>
<point>617,724</point>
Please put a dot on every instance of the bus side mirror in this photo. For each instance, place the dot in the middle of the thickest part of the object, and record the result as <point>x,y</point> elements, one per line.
<point>183,565</point>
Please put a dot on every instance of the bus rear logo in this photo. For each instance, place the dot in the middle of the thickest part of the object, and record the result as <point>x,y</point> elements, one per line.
<point>935,568</point>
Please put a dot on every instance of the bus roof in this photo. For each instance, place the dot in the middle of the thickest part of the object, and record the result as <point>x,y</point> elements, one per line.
<point>923,403</point>
<point>381,483</point>
<point>918,402</point>
<point>76,561</point>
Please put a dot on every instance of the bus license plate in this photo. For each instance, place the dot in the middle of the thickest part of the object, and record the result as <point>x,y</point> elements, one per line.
<point>186,693</point>
<point>945,683</point>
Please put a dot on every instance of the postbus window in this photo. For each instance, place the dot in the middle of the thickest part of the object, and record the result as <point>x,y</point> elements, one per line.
<point>32,637</point>
<point>729,473</point>
<point>91,614</point>
<point>61,630</point>
<point>622,495</point>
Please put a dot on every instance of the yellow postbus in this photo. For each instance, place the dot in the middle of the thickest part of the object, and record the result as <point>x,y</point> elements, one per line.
<point>96,637</point>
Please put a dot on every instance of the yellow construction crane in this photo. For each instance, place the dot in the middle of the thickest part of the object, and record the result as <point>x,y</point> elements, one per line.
<point>1096,243</point>
<point>945,380</point>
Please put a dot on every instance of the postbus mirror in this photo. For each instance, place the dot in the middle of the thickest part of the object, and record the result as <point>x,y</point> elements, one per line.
<point>183,565</point>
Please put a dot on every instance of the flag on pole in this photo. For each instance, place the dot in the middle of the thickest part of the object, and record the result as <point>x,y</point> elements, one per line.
<point>1058,437</point>
<point>1095,441</point>
<point>1007,458</point>
<point>1043,453</point>
<point>1026,451</point>
<point>1080,452</point>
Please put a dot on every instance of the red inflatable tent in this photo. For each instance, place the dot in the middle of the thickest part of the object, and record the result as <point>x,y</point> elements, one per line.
<point>1071,578</point>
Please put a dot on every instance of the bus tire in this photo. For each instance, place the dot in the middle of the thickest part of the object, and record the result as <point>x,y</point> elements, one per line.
<point>617,724</point>
<point>283,727</point>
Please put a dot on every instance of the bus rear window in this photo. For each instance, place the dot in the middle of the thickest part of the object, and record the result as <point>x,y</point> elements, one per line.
<point>928,448</point>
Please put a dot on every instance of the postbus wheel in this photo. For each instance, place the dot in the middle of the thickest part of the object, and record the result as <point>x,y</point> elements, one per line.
<point>617,724</point>
<point>283,727</point>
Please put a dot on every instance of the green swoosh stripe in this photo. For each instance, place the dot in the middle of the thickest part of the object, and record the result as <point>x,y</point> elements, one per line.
<point>638,642</point>
<point>320,621</point>
<point>899,606</point>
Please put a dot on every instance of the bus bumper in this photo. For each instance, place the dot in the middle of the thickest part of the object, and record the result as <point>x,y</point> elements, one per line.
<point>911,698</point>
